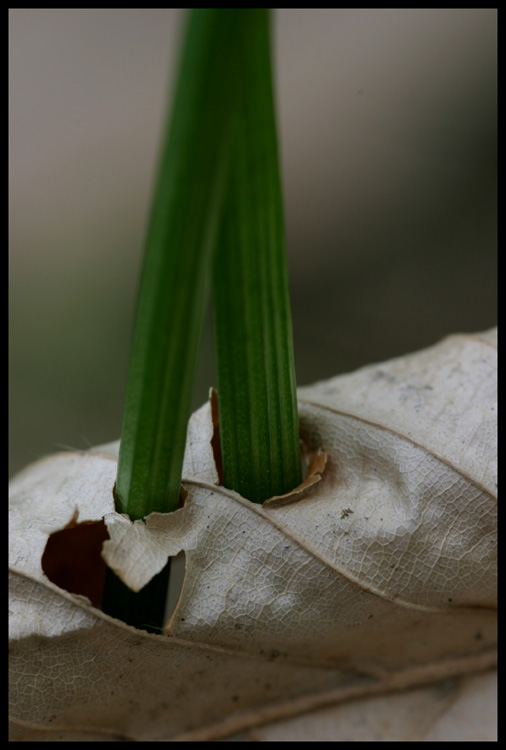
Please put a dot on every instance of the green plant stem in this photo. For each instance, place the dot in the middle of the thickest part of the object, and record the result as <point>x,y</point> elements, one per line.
<point>257,401</point>
<point>174,287</point>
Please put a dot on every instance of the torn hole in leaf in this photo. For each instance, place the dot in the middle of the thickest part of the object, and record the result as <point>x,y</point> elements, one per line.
<point>183,494</point>
<point>216,440</point>
<point>72,559</point>
<point>177,573</point>
<point>313,459</point>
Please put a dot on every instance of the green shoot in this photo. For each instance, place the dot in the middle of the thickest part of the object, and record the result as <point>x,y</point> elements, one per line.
<point>174,287</point>
<point>218,185</point>
<point>258,414</point>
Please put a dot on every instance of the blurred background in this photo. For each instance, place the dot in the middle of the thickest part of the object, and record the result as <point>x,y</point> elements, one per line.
<point>388,136</point>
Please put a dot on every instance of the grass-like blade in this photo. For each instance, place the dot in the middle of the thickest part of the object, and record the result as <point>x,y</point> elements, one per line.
<point>174,287</point>
<point>258,415</point>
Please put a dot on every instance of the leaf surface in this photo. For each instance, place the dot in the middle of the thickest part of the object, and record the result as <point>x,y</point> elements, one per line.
<point>383,570</point>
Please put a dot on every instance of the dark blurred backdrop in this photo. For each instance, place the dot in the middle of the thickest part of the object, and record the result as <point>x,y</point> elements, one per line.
<point>388,133</point>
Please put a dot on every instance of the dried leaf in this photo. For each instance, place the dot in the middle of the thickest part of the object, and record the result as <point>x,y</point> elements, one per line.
<point>381,575</point>
<point>458,709</point>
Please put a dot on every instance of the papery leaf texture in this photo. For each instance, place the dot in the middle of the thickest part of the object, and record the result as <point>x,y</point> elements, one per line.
<point>379,575</point>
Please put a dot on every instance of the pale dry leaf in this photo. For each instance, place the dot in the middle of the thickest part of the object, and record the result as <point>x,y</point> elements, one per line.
<point>385,570</point>
<point>458,709</point>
